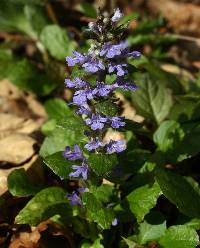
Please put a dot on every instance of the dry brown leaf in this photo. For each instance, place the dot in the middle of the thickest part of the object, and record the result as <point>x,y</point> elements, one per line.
<point>16,148</point>
<point>10,123</point>
<point>183,17</point>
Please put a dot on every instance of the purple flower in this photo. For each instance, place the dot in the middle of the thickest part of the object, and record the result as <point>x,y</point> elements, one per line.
<point>118,69</point>
<point>96,121</point>
<point>117,15</point>
<point>84,110</point>
<point>93,66</point>
<point>76,83</point>
<point>83,190</point>
<point>134,54</point>
<point>80,170</point>
<point>73,155</point>
<point>81,96</point>
<point>117,122</point>
<point>78,58</point>
<point>74,199</point>
<point>115,222</point>
<point>94,144</point>
<point>115,146</point>
<point>128,86</point>
<point>111,51</point>
<point>102,89</point>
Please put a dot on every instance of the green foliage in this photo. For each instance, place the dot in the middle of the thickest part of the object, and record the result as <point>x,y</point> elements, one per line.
<point>43,205</point>
<point>19,184</point>
<point>143,199</point>
<point>179,237</point>
<point>180,192</point>
<point>58,164</point>
<point>102,164</point>
<point>59,138</point>
<point>88,10</point>
<point>129,186</point>
<point>96,212</point>
<point>153,100</point>
<point>26,76</point>
<point>57,42</point>
<point>152,229</point>
<point>107,107</point>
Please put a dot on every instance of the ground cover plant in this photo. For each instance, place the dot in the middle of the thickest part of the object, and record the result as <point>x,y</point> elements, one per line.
<point>119,143</point>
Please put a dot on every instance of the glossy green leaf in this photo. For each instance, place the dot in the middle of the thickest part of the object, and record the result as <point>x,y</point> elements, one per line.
<point>152,228</point>
<point>143,199</point>
<point>43,205</point>
<point>19,184</point>
<point>57,109</point>
<point>58,164</point>
<point>102,164</point>
<point>180,192</point>
<point>57,42</point>
<point>168,135</point>
<point>179,237</point>
<point>152,100</point>
<point>96,212</point>
<point>59,139</point>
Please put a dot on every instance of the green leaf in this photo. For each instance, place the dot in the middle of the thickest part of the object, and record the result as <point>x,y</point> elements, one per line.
<point>57,108</point>
<point>96,212</point>
<point>168,133</point>
<point>143,199</point>
<point>56,41</point>
<point>152,228</point>
<point>58,164</point>
<point>88,10</point>
<point>179,237</point>
<point>37,17</point>
<point>178,141</point>
<point>103,193</point>
<point>108,108</point>
<point>73,123</point>
<point>19,185</point>
<point>59,139</point>
<point>152,100</point>
<point>43,205</point>
<point>131,243</point>
<point>180,192</point>
<point>102,164</point>
<point>26,76</point>
<point>48,127</point>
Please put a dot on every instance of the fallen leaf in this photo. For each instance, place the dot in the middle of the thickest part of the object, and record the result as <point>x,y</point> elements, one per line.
<point>16,148</point>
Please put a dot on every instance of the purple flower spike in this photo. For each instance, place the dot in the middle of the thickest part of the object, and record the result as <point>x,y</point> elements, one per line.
<point>96,121</point>
<point>102,89</point>
<point>78,58</point>
<point>74,199</point>
<point>80,170</point>
<point>117,15</point>
<point>73,155</point>
<point>83,190</point>
<point>117,122</point>
<point>93,66</point>
<point>84,110</point>
<point>94,144</point>
<point>76,83</point>
<point>81,96</point>
<point>118,69</point>
<point>115,146</point>
<point>115,222</point>
<point>110,51</point>
<point>134,54</point>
